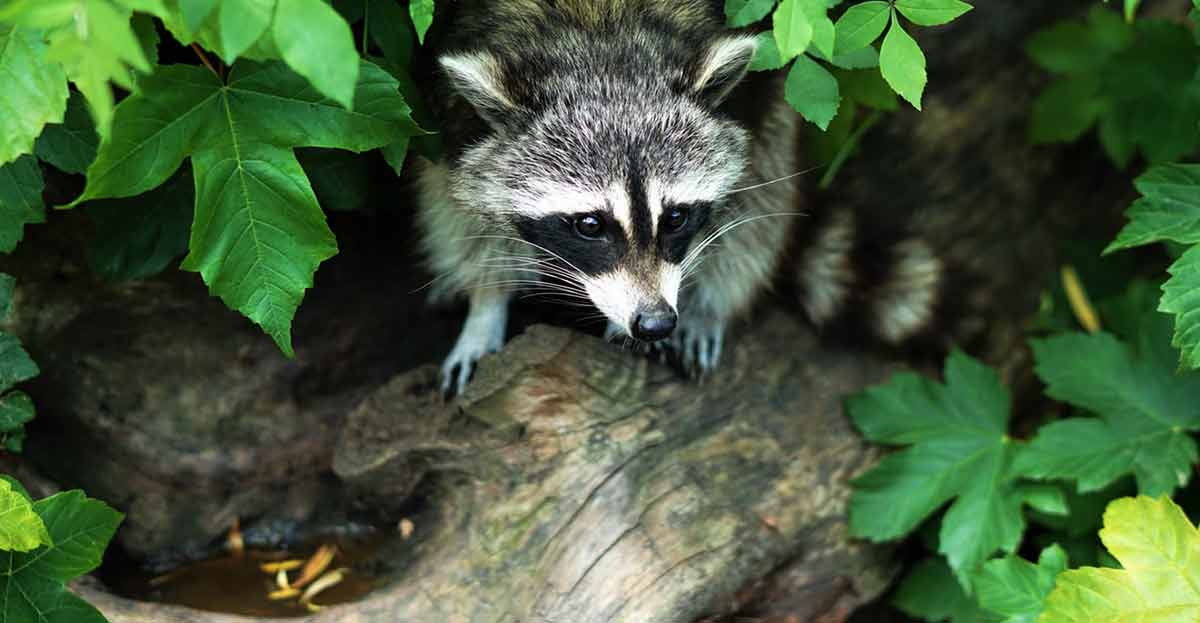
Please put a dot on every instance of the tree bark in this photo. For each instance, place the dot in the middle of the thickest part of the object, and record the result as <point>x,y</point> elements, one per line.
<point>575,482</point>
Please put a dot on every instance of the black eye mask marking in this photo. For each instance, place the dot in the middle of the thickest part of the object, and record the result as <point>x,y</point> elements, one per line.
<point>673,245</point>
<point>557,233</point>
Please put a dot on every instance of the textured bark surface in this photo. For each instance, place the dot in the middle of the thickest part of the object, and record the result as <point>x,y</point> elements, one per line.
<point>574,482</point>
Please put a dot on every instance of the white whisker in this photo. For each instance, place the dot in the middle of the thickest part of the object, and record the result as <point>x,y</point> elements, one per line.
<point>774,181</point>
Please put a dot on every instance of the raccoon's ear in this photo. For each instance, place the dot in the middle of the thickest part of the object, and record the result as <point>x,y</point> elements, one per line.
<point>722,66</point>
<point>477,76</point>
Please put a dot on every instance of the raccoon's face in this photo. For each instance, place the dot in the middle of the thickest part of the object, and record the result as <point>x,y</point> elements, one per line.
<point>618,180</point>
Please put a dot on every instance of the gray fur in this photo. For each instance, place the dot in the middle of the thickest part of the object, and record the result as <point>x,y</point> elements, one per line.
<point>552,106</point>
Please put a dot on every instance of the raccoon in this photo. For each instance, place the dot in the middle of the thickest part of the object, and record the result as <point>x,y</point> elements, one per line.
<point>619,154</point>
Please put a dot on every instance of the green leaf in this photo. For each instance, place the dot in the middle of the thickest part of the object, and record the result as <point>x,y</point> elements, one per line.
<point>1168,210</point>
<point>21,529</point>
<point>823,30</point>
<point>1145,409</point>
<point>1156,74</point>
<point>1157,547</point>
<point>739,13</point>
<point>70,145</point>
<point>21,203</point>
<point>1150,66</point>
<point>316,42</point>
<point>1065,110</point>
<point>79,529</point>
<point>195,12</point>
<point>1014,588</point>
<point>93,40</point>
<point>932,12</point>
<point>959,449</point>
<point>860,25</point>
<point>395,154</point>
<point>903,64</point>
<point>258,233</point>
<point>812,91</point>
<point>862,58</point>
<point>1077,48</point>
<point>17,487</point>
<point>421,12</point>
<point>236,25</point>
<point>867,88</point>
<point>389,29</point>
<point>16,410</point>
<point>15,364</point>
<point>8,285</point>
<point>793,30</point>
<point>146,32</point>
<point>35,91</point>
<point>1181,296</point>
<point>930,592</point>
<point>138,237</point>
<point>766,55</point>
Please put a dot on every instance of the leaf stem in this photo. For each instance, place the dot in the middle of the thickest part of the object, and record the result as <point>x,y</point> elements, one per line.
<point>366,25</point>
<point>847,148</point>
<point>207,63</point>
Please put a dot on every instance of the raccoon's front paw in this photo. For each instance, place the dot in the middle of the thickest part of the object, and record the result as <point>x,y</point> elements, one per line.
<point>459,366</point>
<point>696,346</point>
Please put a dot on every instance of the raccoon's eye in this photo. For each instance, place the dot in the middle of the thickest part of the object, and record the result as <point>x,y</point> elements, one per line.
<point>676,218</point>
<point>589,226</point>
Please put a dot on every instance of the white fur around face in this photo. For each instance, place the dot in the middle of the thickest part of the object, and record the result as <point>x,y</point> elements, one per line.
<point>670,279</point>
<point>622,208</point>
<point>613,294</point>
<point>548,198</point>
<point>619,296</point>
<point>701,185</point>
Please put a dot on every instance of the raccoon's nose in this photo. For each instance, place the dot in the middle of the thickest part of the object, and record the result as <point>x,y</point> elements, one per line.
<point>654,324</point>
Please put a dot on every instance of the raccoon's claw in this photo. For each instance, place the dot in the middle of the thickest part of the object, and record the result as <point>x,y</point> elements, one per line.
<point>475,341</point>
<point>458,369</point>
<point>697,350</point>
<point>455,376</point>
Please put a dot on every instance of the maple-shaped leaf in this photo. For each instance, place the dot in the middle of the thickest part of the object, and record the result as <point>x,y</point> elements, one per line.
<point>958,450</point>
<point>1146,410</point>
<point>1159,550</point>
<point>1169,209</point>
<point>1014,588</point>
<point>257,233</point>
<point>79,529</point>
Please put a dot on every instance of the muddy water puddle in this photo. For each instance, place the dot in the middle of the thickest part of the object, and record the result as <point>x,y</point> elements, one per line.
<point>263,583</point>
